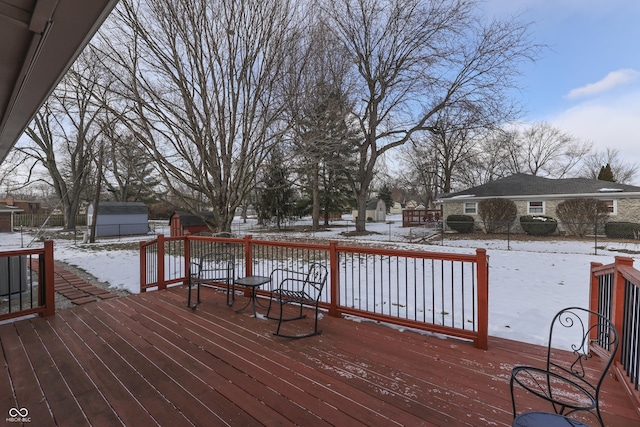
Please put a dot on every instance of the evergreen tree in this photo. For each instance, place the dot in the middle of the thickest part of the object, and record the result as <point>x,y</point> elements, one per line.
<point>385,195</point>
<point>606,174</point>
<point>276,199</point>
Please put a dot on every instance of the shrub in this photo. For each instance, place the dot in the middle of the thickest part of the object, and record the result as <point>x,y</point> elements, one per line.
<point>538,225</point>
<point>579,216</point>
<point>622,230</point>
<point>461,223</point>
<point>497,214</point>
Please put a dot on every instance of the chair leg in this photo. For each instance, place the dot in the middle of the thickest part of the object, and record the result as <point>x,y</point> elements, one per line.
<point>197,295</point>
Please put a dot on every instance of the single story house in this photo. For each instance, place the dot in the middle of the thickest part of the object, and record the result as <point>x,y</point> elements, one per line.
<point>181,222</point>
<point>119,218</point>
<point>27,206</point>
<point>376,211</point>
<point>535,195</point>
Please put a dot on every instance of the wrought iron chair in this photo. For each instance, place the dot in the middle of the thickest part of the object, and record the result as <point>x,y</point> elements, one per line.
<point>214,267</point>
<point>571,381</point>
<point>298,289</point>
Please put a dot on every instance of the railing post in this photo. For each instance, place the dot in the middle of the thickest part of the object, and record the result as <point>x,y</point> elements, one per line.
<point>248,255</point>
<point>143,267</point>
<point>49,279</point>
<point>617,299</point>
<point>482,342</point>
<point>334,282</point>
<point>594,287</point>
<point>161,282</point>
<point>187,259</point>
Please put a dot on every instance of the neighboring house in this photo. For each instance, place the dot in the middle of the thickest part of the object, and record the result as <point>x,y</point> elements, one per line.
<point>536,195</point>
<point>376,211</point>
<point>182,222</point>
<point>120,218</point>
<point>396,209</point>
<point>26,206</point>
<point>6,217</point>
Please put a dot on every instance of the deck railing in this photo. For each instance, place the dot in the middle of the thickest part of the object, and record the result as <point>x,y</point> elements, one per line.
<point>437,292</point>
<point>615,293</point>
<point>26,282</point>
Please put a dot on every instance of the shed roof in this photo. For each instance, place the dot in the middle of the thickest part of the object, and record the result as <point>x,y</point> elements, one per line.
<point>530,185</point>
<point>189,219</point>
<point>122,208</point>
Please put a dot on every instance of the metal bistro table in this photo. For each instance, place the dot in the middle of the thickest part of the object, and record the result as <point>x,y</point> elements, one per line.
<point>253,283</point>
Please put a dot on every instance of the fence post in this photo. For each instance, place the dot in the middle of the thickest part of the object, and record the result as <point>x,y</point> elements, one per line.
<point>482,342</point>
<point>49,279</point>
<point>334,278</point>
<point>161,282</point>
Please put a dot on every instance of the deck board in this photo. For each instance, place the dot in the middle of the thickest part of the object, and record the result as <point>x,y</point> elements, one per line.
<point>149,360</point>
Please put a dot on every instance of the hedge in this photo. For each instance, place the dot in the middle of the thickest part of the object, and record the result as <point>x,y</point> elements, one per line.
<point>461,223</point>
<point>538,225</point>
<point>622,230</point>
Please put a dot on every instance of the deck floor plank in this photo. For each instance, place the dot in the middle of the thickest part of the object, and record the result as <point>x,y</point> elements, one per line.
<point>149,360</point>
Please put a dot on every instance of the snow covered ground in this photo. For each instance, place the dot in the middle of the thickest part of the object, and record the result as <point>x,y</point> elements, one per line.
<point>529,281</point>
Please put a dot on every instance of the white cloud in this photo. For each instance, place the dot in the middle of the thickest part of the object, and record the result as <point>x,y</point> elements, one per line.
<point>612,80</point>
<point>611,123</point>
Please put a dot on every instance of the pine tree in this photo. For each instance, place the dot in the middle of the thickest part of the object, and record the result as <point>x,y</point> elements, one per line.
<point>606,174</point>
<point>276,199</point>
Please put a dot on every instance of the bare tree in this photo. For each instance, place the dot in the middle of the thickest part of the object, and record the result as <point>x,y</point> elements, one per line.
<point>64,132</point>
<point>547,151</point>
<point>624,172</point>
<point>200,84</point>
<point>413,58</point>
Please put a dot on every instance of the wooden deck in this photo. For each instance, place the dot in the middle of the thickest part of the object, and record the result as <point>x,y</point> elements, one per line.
<point>148,360</point>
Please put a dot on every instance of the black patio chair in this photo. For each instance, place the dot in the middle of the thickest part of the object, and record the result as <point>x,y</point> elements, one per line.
<point>299,289</point>
<point>214,267</point>
<point>571,380</point>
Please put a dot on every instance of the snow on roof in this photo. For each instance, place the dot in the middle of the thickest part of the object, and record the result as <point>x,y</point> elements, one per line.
<point>609,190</point>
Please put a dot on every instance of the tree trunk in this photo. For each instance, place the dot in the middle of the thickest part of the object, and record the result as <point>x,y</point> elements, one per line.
<point>361,220</point>
<point>315,179</point>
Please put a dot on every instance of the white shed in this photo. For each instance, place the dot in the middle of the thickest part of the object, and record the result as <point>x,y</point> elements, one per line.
<point>376,211</point>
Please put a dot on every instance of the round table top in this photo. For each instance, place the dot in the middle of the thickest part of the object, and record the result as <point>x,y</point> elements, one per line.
<point>252,280</point>
<point>545,419</point>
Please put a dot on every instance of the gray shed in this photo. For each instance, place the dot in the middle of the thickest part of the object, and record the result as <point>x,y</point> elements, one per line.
<point>120,218</point>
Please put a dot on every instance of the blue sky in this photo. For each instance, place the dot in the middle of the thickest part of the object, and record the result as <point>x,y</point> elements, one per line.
<point>587,82</point>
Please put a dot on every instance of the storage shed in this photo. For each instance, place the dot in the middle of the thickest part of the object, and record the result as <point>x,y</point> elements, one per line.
<point>376,211</point>
<point>120,218</point>
<point>180,222</point>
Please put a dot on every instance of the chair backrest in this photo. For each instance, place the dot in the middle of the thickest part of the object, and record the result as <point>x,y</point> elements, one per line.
<point>580,332</point>
<point>216,265</point>
<point>315,280</point>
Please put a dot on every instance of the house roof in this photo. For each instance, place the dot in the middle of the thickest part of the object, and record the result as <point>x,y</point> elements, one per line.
<point>40,41</point>
<point>373,204</point>
<point>527,186</point>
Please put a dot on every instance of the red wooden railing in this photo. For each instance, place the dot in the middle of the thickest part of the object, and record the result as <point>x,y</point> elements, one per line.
<point>615,293</point>
<point>437,292</point>
<point>26,282</point>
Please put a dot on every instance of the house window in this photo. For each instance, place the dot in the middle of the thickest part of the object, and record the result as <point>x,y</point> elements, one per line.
<point>471,208</point>
<point>535,208</point>
<point>612,206</point>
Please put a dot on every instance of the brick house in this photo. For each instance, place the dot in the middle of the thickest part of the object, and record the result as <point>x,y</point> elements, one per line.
<point>537,195</point>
